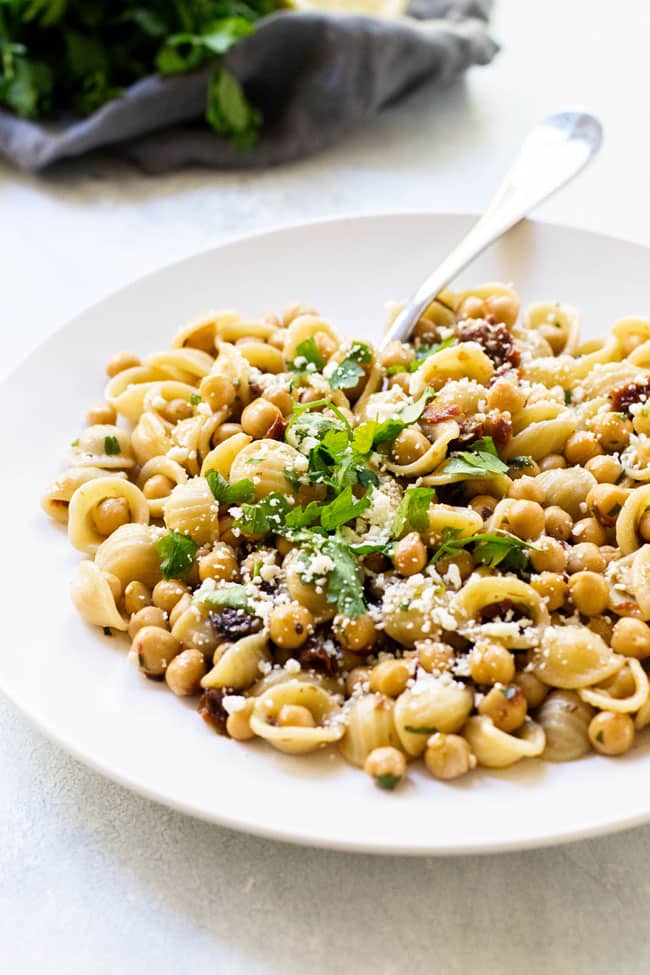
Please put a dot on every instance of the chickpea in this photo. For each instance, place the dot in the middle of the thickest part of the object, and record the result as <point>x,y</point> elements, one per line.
<point>136,596</point>
<point>101,414</point>
<point>357,635</point>
<point>435,657</point>
<point>621,685</point>
<point>283,545</point>
<point>643,526</point>
<point>605,502</point>
<point>181,606</point>
<point>552,462</point>
<point>507,706</point>
<point>409,555</point>
<point>503,308</point>
<point>110,514</point>
<point>589,530</point>
<point>613,431</point>
<point>471,307</point>
<point>531,687</point>
<point>167,592</point>
<point>295,716</point>
<point>585,557</point>
<point>558,523</point>
<point>403,380</point>
<point>356,679</point>
<point>463,562</point>
<point>491,663</point>
<point>409,445</point>
<point>602,626</point>
<point>114,585</point>
<point>184,673</point>
<point>225,432</point>
<point>527,489</point>
<point>611,733</point>
<point>386,766</point>
<point>484,505</point>
<point>390,677</point>
<point>238,724</point>
<point>220,564</point>
<point>258,418</point>
<point>158,486</point>
<point>604,468</point>
<point>631,637</point>
<point>325,345</point>
<point>526,519</point>
<point>217,391</point>
<point>397,354</point>
<point>505,396</point>
<point>290,625</point>
<point>581,447</point>
<point>226,533</point>
<point>147,616</point>
<point>177,410</point>
<point>120,362</point>
<point>552,588</point>
<point>589,592</point>
<point>155,649</point>
<point>448,756</point>
<point>280,399</point>
<point>549,555</point>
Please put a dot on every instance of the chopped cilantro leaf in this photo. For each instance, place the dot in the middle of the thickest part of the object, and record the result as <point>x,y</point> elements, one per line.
<point>307,350</point>
<point>176,553</point>
<point>232,595</point>
<point>348,372</point>
<point>227,494</point>
<point>111,445</point>
<point>303,517</point>
<point>567,397</point>
<point>388,782</point>
<point>266,516</point>
<point>521,462</point>
<point>493,550</point>
<point>195,399</point>
<point>600,737</point>
<point>75,443</point>
<point>480,459</point>
<point>342,509</point>
<point>367,477</point>
<point>412,511</point>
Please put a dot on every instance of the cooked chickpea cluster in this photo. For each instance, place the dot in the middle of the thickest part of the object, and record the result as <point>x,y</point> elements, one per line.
<point>436,552</point>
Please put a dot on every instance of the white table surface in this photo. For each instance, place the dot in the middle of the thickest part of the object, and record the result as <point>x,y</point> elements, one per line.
<point>94,879</point>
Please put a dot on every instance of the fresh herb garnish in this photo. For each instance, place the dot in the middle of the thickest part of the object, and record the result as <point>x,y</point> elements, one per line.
<point>75,443</point>
<point>480,459</point>
<point>567,397</point>
<point>176,553</point>
<point>308,352</point>
<point>492,550</point>
<point>388,782</point>
<point>519,463</point>
<point>268,515</point>
<point>412,511</point>
<point>111,446</point>
<point>422,353</point>
<point>600,737</point>
<point>232,595</point>
<point>226,493</point>
<point>195,399</point>
<point>348,372</point>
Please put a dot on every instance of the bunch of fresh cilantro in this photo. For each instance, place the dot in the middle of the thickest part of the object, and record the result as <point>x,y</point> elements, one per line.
<point>69,57</point>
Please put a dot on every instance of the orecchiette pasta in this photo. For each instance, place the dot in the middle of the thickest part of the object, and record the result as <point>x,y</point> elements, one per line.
<point>439,549</point>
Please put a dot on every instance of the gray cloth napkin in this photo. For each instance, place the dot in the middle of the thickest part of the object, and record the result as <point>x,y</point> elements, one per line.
<point>314,76</point>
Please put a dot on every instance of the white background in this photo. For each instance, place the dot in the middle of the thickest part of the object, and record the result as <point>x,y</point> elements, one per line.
<point>94,879</point>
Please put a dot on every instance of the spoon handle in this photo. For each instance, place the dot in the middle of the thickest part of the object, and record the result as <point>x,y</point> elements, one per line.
<point>553,153</point>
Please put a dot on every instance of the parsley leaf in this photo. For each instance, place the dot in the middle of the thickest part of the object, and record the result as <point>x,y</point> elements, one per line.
<point>303,517</point>
<point>195,399</point>
<point>342,509</point>
<point>227,494</point>
<point>480,459</point>
<point>424,730</point>
<point>388,782</point>
<point>422,353</point>
<point>344,582</point>
<point>412,511</point>
<point>265,517</point>
<point>492,550</point>
<point>111,446</point>
<point>232,595</point>
<point>176,553</point>
<point>348,372</point>
<point>307,350</point>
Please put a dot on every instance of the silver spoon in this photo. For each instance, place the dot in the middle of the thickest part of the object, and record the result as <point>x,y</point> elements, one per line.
<point>553,153</point>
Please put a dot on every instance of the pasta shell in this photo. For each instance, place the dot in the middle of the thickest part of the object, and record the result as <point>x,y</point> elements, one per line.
<point>265,462</point>
<point>634,506</point>
<point>442,435</point>
<point>82,533</point>
<point>565,719</point>
<point>370,725</point>
<point>191,509</point>
<point>292,739</point>
<point>167,468</point>
<point>55,502</point>
<point>481,592</point>
<point>93,599</point>
<point>567,488</point>
<point>130,554</point>
<point>466,359</point>
<point>498,749</point>
<point>431,704</point>
<point>601,698</point>
<point>93,446</point>
<point>573,656</point>
<point>239,666</point>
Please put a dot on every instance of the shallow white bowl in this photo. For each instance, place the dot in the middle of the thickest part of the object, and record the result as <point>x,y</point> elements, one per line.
<point>76,684</point>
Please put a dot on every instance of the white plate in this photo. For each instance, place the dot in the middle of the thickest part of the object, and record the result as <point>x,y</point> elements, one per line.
<point>76,684</point>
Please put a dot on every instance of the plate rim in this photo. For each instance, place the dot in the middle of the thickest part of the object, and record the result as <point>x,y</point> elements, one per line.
<point>378,847</point>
